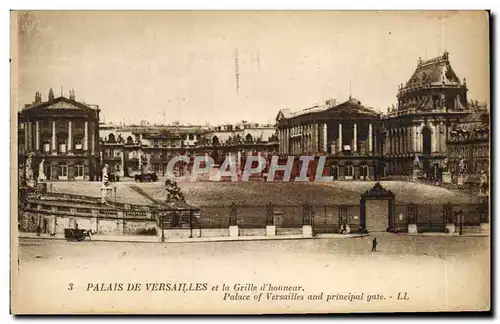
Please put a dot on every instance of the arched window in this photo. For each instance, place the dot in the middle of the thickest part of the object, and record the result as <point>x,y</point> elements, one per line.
<point>111,138</point>
<point>427,140</point>
<point>249,138</point>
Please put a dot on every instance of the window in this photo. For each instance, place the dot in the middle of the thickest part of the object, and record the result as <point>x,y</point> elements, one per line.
<point>348,171</point>
<point>364,171</point>
<point>62,146</point>
<point>63,170</point>
<point>78,144</point>
<point>79,171</point>
<point>46,146</point>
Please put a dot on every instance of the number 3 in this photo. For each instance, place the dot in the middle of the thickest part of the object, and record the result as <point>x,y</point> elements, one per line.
<point>70,286</point>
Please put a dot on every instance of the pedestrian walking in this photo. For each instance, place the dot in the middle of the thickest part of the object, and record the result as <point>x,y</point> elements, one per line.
<point>374,245</point>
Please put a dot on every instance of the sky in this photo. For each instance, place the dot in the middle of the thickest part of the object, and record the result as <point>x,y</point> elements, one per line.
<point>163,66</point>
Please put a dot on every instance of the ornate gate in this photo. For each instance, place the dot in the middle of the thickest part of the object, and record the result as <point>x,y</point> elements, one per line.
<point>377,192</point>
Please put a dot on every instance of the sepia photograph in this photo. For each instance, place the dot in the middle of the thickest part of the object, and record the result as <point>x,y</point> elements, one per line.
<point>249,162</point>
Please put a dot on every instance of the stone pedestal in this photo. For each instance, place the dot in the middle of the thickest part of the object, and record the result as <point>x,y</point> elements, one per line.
<point>412,229</point>
<point>485,227</point>
<point>307,230</point>
<point>41,187</point>
<point>234,231</point>
<point>450,228</point>
<point>446,177</point>
<point>105,192</point>
<point>416,174</point>
<point>270,230</point>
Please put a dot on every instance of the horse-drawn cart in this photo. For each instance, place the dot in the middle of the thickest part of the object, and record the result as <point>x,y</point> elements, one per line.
<point>73,234</point>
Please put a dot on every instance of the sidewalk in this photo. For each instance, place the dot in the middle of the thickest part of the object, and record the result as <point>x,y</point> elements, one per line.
<point>155,239</point>
<point>471,234</point>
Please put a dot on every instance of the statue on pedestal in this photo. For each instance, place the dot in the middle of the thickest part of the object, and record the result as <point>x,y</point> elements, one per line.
<point>105,176</point>
<point>41,173</point>
<point>446,165</point>
<point>174,193</point>
<point>30,181</point>
<point>416,163</point>
<point>462,166</point>
<point>483,183</point>
<point>105,184</point>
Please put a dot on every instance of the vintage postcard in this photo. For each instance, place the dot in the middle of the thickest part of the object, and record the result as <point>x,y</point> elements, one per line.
<point>250,162</point>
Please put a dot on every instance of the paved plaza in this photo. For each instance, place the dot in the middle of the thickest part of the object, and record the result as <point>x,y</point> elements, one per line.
<point>453,270</point>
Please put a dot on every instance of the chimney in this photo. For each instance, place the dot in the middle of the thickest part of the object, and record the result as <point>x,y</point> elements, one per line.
<point>51,95</point>
<point>72,94</point>
<point>38,97</point>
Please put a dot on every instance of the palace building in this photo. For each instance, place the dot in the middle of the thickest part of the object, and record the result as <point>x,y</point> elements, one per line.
<point>428,106</point>
<point>62,132</point>
<point>345,132</point>
<point>361,143</point>
<point>469,142</point>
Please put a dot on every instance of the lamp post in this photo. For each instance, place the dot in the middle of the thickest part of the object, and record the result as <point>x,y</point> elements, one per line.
<point>190,224</point>
<point>162,229</point>
<point>114,189</point>
<point>460,214</point>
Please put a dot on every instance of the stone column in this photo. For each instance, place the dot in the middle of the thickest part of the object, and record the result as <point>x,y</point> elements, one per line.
<point>401,140</point>
<point>122,160</point>
<point>420,138</point>
<point>325,139</point>
<point>433,138</point>
<point>396,141</point>
<point>370,139</point>
<point>37,137</point>
<point>86,136</point>
<point>315,138</point>
<point>70,138</point>
<point>92,141</point>
<point>340,137</point>
<point>26,136</point>
<point>30,136</point>
<point>414,138</point>
<point>355,139</point>
<point>53,149</point>
<point>442,137</point>
<point>283,141</point>
<point>405,141</point>
<point>287,141</point>
<point>408,139</point>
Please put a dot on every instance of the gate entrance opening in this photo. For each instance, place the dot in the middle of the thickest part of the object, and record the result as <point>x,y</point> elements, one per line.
<point>375,221</point>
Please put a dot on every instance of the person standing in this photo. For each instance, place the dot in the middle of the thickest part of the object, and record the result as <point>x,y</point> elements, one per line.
<point>374,245</point>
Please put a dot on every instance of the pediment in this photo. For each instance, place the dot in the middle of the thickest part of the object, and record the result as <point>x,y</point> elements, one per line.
<point>63,105</point>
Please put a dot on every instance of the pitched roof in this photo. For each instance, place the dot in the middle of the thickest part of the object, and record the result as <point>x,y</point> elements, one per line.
<point>352,105</point>
<point>59,103</point>
<point>437,70</point>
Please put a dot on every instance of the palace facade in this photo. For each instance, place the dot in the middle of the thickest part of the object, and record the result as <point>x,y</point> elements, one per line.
<point>347,133</point>
<point>64,134</point>
<point>361,143</point>
<point>469,142</point>
<point>429,106</point>
<point>127,149</point>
